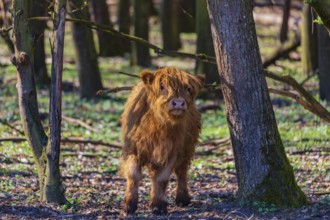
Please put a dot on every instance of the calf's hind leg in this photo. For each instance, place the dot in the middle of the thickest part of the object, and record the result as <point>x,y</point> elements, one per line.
<point>132,172</point>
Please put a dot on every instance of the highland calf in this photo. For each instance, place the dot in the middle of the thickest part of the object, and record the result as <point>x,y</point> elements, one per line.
<point>160,126</point>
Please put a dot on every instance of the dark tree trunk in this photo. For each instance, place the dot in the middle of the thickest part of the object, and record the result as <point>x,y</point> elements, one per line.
<point>86,57</point>
<point>187,11</point>
<point>108,45</point>
<point>37,30</point>
<point>141,55</point>
<point>263,170</point>
<point>46,158</point>
<point>309,41</point>
<point>324,58</point>
<point>205,44</point>
<point>285,21</point>
<point>124,19</point>
<point>170,24</point>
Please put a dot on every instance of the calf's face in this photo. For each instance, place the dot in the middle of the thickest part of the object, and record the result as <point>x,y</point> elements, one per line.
<point>171,92</point>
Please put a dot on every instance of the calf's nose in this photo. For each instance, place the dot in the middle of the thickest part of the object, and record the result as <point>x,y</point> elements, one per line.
<point>179,103</point>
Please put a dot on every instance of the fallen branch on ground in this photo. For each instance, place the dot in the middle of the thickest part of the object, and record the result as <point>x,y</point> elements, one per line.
<point>67,140</point>
<point>79,122</point>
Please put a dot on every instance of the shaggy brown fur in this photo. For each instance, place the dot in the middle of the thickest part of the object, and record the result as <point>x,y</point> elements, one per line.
<point>160,126</point>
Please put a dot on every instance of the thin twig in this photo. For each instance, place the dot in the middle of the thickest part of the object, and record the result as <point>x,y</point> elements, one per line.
<point>12,127</point>
<point>310,103</point>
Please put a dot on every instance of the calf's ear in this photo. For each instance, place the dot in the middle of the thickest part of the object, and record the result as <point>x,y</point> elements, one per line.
<point>201,80</point>
<point>147,77</point>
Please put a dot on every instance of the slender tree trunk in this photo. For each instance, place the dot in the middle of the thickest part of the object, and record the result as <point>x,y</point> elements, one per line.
<point>86,57</point>
<point>285,21</point>
<point>324,58</point>
<point>124,20</point>
<point>309,41</point>
<point>141,55</point>
<point>170,24</point>
<point>263,170</point>
<point>205,44</point>
<point>37,29</point>
<point>108,45</point>
<point>46,160</point>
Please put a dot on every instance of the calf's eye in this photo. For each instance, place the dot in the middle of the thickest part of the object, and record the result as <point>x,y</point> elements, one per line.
<point>188,90</point>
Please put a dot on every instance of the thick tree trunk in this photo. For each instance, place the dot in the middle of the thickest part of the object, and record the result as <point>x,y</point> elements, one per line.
<point>323,58</point>
<point>51,190</point>
<point>86,57</point>
<point>124,20</point>
<point>263,170</point>
<point>309,41</point>
<point>285,21</point>
<point>141,55</point>
<point>170,24</point>
<point>205,44</point>
<point>37,29</point>
<point>108,45</point>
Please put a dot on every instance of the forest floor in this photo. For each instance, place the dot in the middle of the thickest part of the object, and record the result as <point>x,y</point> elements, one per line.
<point>89,170</point>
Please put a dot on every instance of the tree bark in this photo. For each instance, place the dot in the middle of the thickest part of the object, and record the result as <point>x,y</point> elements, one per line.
<point>140,53</point>
<point>285,21</point>
<point>205,44</point>
<point>263,170</point>
<point>323,58</point>
<point>124,20</point>
<point>309,41</point>
<point>37,30</point>
<point>109,45</point>
<point>170,24</point>
<point>51,190</point>
<point>86,57</point>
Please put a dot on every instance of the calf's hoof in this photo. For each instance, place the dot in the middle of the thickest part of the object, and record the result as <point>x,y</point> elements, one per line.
<point>130,207</point>
<point>182,200</point>
<point>159,208</point>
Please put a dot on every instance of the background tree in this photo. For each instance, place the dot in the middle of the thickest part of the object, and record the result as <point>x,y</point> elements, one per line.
<point>140,53</point>
<point>109,45</point>
<point>5,22</point>
<point>285,21</point>
<point>170,24</point>
<point>124,20</point>
<point>263,170</point>
<point>86,57</point>
<point>309,41</point>
<point>323,49</point>
<point>46,152</point>
<point>205,44</point>
<point>187,11</point>
<point>37,30</point>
